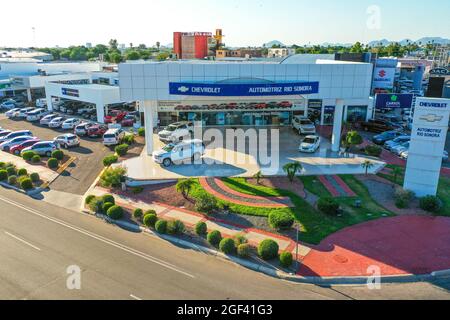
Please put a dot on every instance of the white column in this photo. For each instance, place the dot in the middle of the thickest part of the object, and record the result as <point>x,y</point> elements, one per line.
<point>29,95</point>
<point>149,108</point>
<point>100,112</point>
<point>337,125</point>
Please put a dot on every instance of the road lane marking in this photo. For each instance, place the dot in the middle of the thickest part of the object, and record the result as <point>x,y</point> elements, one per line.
<point>100,238</point>
<point>134,297</point>
<point>23,241</point>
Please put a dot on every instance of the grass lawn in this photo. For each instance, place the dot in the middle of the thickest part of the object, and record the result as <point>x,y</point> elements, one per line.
<point>313,185</point>
<point>443,188</point>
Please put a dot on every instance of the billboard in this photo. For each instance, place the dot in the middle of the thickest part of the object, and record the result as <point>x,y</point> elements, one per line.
<point>393,101</point>
<point>236,90</point>
<point>383,78</point>
<point>70,92</point>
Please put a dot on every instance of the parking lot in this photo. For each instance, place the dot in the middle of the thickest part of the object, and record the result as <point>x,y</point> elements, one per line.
<point>88,164</point>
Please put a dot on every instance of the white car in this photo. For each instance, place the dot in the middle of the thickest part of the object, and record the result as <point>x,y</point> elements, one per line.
<point>310,144</point>
<point>8,105</point>
<point>397,141</point>
<point>176,132</point>
<point>23,112</point>
<point>304,126</point>
<point>404,155</point>
<point>41,103</point>
<point>6,146</point>
<point>67,140</point>
<point>13,113</point>
<point>36,115</point>
<point>176,153</point>
<point>57,122</point>
<point>400,148</point>
<point>47,119</point>
<point>70,124</point>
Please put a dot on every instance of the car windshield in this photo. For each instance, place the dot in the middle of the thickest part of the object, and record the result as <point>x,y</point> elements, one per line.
<point>305,122</point>
<point>108,136</point>
<point>168,148</point>
<point>170,128</point>
<point>71,138</point>
<point>309,140</point>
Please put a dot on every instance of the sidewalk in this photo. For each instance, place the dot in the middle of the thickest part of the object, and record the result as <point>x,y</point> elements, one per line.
<point>190,218</point>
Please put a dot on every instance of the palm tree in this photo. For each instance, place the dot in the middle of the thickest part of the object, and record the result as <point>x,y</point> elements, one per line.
<point>258,176</point>
<point>396,172</point>
<point>367,165</point>
<point>292,169</point>
<point>184,186</point>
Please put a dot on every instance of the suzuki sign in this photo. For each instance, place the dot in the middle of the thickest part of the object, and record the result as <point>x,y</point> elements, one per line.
<point>383,78</point>
<point>426,149</point>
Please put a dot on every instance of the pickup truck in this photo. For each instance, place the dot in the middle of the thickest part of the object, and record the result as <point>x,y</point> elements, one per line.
<point>304,126</point>
<point>380,126</point>
<point>176,132</point>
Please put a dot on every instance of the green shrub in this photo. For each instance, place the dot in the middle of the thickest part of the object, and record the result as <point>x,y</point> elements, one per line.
<point>430,204</point>
<point>161,226</point>
<point>52,163</point>
<point>268,249</point>
<point>328,205</point>
<point>2,165</point>
<point>150,220</point>
<point>106,206</point>
<point>214,238</point>
<point>35,177</point>
<point>206,203</point>
<point>201,228</point>
<point>281,220</point>
<point>121,149</point>
<point>113,177</point>
<point>108,198</point>
<point>89,198</point>
<point>36,158</point>
<point>12,180</point>
<point>115,212</point>
<point>25,183</point>
<point>141,132</point>
<point>11,171</point>
<point>128,139</point>
<point>58,154</point>
<point>286,259</point>
<point>227,246</point>
<point>243,250</point>
<point>3,175</point>
<point>137,190</point>
<point>96,205</point>
<point>138,213</point>
<point>150,212</point>
<point>9,164</point>
<point>22,172</point>
<point>28,155</point>
<point>374,151</point>
<point>402,198</point>
<point>109,160</point>
<point>239,239</point>
<point>175,227</point>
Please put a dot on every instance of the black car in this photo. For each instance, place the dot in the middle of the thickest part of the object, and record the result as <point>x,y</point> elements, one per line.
<point>380,139</point>
<point>378,125</point>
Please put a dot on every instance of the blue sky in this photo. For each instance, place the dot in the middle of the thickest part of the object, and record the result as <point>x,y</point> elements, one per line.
<point>245,22</point>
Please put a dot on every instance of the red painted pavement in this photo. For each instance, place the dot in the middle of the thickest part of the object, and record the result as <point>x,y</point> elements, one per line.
<point>329,186</point>
<point>344,186</point>
<point>399,245</point>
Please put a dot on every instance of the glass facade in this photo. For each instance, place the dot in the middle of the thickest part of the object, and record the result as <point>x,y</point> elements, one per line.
<point>235,118</point>
<point>356,113</point>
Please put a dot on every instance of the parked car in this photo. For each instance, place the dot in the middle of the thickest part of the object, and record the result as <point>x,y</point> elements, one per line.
<point>310,144</point>
<point>128,121</point>
<point>13,113</point>
<point>400,148</point>
<point>70,124</point>
<point>8,105</point>
<point>176,131</point>
<point>380,139</point>
<point>113,137</point>
<point>23,112</point>
<point>6,145</point>
<point>41,103</point>
<point>82,128</point>
<point>399,140</point>
<point>43,148</point>
<point>97,130</point>
<point>56,123</point>
<point>115,116</point>
<point>27,143</point>
<point>404,155</point>
<point>47,119</point>
<point>380,126</point>
<point>67,140</point>
<point>173,153</point>
<point>84,110</point>
<point>36,115</point>
<point>303,126</point>
<point>16,134</point>
<point>4,133</point>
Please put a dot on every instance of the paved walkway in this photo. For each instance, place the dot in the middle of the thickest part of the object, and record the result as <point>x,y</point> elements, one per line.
<point>336,186</point>
<point>220,190</point>
<point>190,218</point>
<point>399,245</point>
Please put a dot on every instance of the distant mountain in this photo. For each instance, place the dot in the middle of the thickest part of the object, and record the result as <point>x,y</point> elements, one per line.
<point>425,40</point>
<point>272,43</point>
<point>383,42</point>
<point>437,40</point>
<point>328,44</point>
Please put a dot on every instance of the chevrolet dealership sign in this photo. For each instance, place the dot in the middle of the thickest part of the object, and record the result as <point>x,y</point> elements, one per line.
<point>243,90</point>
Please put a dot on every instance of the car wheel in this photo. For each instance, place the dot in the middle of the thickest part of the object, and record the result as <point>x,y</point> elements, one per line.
<point>66,146</point>
<point>180,139</point>
<point>48,154</point>
<point>167,162</point>
<point>17,152</point>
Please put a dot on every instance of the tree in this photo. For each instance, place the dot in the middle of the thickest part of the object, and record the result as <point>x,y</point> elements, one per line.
<point>133,55</point>
<point>258,176</point>
<point>113,44</point>
<point>162,56</point>
<point>158,45</point>
<point>396,172</point>
<point>292,169</point>
<point>184,186</point>
<point>115,57</point>
<point>367,165</point>
<point>353,138</point>
<point>357,48</point>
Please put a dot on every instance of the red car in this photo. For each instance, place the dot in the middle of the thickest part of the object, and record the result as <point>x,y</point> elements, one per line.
<point>115,115</point>
<point>96,130</point>
<point>128,121</point>
<point>28,143</point>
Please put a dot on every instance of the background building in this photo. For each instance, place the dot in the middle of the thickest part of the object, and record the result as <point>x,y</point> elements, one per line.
<point>280,52</point>
<point>239,53</point>
<point>192,45</point>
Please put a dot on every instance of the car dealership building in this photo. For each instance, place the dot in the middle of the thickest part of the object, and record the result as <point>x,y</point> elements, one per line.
<point>249,93</point>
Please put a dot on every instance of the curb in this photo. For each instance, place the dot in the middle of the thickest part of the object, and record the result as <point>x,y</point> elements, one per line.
<point>324,281</point>
<point>28,193</point>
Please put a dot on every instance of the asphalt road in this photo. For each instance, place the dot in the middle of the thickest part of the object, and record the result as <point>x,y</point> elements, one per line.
<point>88,164</point>
<point>39,241</point>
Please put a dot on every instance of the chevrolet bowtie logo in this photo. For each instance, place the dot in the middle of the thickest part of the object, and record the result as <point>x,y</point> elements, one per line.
<point>431,118</point>
<point>183,89</point>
